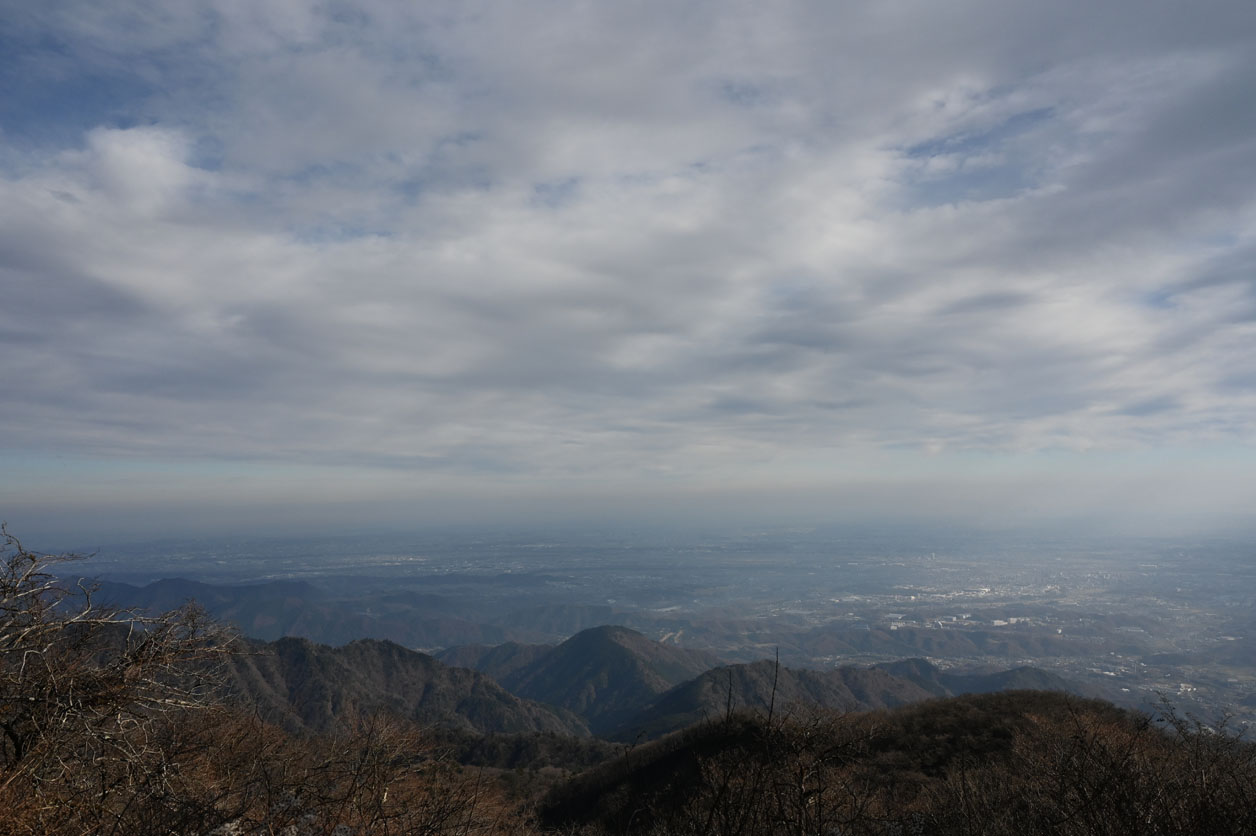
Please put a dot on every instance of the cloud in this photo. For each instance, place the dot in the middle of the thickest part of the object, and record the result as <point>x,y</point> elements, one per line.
<point>563,241</point>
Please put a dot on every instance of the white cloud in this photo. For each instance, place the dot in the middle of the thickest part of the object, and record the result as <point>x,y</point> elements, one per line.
<point>142,172</point>
<point>671,243</point>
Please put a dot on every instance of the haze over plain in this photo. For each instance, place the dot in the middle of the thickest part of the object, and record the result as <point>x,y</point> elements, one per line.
<point>281,264</point>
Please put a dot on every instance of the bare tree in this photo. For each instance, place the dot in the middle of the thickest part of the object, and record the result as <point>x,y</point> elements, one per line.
<point>110,724</point>
<point>84,688</point>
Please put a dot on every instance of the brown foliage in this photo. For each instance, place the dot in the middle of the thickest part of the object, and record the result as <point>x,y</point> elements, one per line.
<point>1089,774</point>
<point>80,683</point>
<point>110,726</point>
<point>1019,763</point>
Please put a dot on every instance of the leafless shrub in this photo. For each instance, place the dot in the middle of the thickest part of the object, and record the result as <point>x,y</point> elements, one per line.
<point>110,725</point>
<point>992,765</point>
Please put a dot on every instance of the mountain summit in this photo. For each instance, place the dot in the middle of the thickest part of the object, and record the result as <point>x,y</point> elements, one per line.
<point>605,674</point>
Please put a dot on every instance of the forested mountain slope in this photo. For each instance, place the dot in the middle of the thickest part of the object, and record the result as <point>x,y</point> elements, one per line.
<point>767,686</point>
<point>606,674</point>
<point>306,686</point>
<point>997,764</point>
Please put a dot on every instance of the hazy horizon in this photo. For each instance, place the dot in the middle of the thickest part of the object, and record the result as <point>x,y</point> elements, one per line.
<point>567,519</point>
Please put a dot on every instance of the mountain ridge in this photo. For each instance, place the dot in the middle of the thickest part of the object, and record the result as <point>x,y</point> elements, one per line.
<point>305,686</point>
<point>604,674</point>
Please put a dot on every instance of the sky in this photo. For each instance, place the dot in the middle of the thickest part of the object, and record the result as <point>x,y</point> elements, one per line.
<point>285,263</point>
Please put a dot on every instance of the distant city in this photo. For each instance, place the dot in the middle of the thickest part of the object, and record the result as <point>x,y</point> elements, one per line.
<point>1137,621</point>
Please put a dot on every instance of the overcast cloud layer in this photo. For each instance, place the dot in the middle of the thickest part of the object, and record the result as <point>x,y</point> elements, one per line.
<point>622,247</point>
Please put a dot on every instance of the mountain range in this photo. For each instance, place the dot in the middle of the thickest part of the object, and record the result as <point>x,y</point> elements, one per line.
<point>304,686</point>
<point>607,681</point>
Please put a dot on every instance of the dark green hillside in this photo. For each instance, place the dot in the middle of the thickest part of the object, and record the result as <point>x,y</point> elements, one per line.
<point>497,661</point>
<point>941,683</point>
<point>306,686</point>
<point>763,685</point>
<point>630,688</point>
<point>606,674</point>
<point>1008,763</point>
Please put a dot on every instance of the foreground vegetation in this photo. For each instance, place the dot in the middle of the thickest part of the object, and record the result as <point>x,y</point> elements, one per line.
<point>1008,763</point>
<point>112,722</point>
